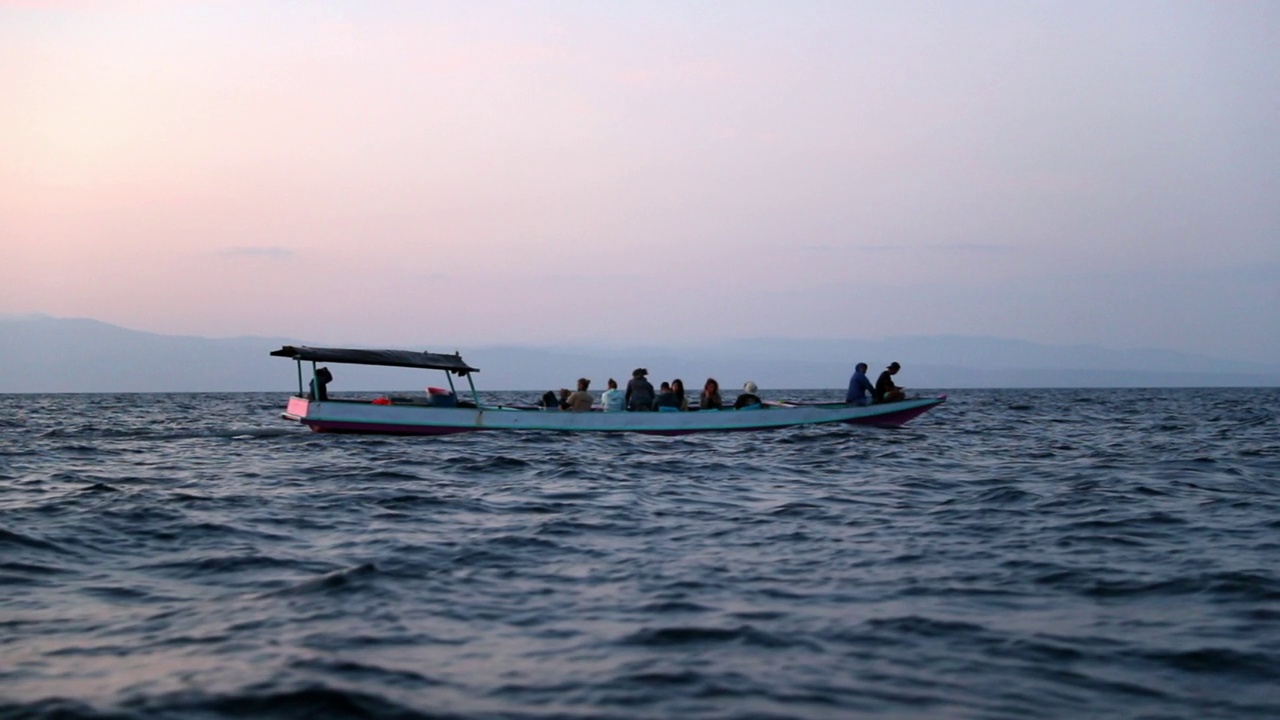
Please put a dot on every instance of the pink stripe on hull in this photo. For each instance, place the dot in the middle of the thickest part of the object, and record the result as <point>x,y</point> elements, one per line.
<point>354,427</point>
<point>892,419</point>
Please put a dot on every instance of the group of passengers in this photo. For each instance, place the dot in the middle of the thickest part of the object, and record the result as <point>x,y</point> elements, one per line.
<point>670,397</point>
<point>641,397</point>
<point>862,392</point>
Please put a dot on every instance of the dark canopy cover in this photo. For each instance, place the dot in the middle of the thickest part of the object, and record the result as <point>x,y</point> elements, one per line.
<point>392,358</point>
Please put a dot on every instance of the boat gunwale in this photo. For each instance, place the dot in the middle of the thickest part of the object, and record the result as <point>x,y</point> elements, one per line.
<point>769,418</point>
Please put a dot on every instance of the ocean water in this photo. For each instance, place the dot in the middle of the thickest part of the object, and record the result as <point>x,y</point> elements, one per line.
<point>1011,554</point>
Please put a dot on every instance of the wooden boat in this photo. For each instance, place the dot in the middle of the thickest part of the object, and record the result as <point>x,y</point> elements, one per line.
<point>440,412</point>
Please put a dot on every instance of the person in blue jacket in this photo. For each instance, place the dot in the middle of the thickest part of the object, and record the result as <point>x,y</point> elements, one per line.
<point>860,388</point>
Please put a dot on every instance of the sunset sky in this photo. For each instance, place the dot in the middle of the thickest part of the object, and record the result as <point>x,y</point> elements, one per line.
<point>647,172</point>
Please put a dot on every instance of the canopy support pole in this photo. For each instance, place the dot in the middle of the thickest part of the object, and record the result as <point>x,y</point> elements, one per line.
<point>475,396</point>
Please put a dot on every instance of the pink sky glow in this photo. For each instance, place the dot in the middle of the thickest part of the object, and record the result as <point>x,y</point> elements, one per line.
<point>387,172</point>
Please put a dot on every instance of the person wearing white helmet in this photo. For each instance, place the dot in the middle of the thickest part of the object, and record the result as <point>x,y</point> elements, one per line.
<point>748,399</point>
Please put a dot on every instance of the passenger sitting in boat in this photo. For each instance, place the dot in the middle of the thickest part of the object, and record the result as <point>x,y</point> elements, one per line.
<point>860,389</point>
<point>549,401</point>
<point>885,390</point>
<point>748,399</point>
<point>639,391</point>
<point>667,400</point>
<point>613,400</point>
<point>581,400</point>
<point>320,385</point>
<point>677,387</point>
<point>710,399</point>
<point>564,398</point>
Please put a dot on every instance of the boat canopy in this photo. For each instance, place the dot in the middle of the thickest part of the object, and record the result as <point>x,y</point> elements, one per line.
<point>393,358</point>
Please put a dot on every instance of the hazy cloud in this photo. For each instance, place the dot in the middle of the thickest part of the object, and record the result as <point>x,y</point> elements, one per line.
<point>269,252</point>
<point>957,248</point>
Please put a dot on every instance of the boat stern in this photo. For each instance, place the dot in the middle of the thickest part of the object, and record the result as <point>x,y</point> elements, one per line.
<point>297,409</point>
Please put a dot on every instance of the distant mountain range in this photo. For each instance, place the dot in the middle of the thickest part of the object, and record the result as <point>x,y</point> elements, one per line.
<point>42,354</point>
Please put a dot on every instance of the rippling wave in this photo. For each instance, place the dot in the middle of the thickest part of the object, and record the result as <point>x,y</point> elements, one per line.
<point>1046,553</point>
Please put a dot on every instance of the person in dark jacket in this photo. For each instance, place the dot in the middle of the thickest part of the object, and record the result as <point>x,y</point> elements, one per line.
<point>748,398</point>
<point>677,387</point>
<point>885,390</point>
<point>639,391</point>
<point>666,398</point>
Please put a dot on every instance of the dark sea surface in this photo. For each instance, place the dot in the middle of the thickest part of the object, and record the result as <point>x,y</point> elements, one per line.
<point>1012,554</point>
